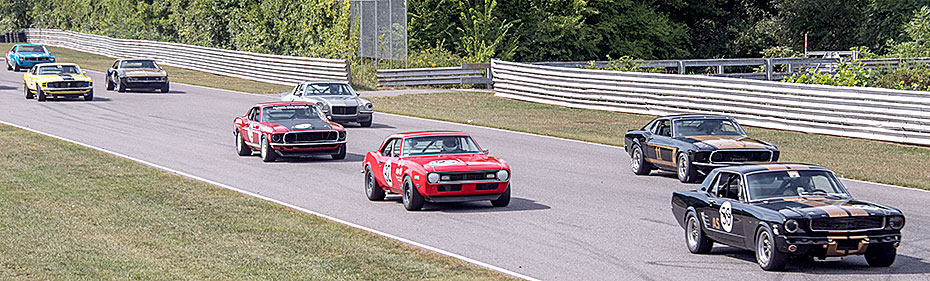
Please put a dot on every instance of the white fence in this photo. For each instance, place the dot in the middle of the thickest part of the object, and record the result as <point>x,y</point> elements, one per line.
<point>277,69</point>
<point>468,73</point>
<point>868,113</point>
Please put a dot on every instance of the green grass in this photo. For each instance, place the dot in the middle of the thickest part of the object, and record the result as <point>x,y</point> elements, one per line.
<point>68,212</point>
<point>101,63</point>
<point>852,158</point>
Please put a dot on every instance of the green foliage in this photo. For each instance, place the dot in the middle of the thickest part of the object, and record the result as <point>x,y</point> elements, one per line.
<point>780,52</point>
<point>624,63</point>
<point>433,57</point>
<point>915,78</point>
<point>848,73</point>
<point>918,32</point>
<point>864,52</point>
<point>484,34</point>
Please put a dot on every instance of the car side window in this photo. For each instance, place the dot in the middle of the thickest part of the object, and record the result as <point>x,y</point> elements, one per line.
<point>386,150</point>
<point>254,115</point>
<point>396,150</point>
<point>663,128</point>
<point>116,65</point>
<point>728,186</point>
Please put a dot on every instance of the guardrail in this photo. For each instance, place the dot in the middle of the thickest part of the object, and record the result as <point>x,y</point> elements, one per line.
<point>277,69</point>
<point>868,113</point>
<point>468,73</point>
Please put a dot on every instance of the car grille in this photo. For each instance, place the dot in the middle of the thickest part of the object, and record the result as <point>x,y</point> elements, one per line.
<point>137,79</point>
<point>448,187</point>
<point>741,156</point>
<point>847,223</point>
<point>319,136</point>
<point>36,59</point>
<point>487,186</point>
<point>344,110</point>
<point>67,84</point>
<point>468,176</point>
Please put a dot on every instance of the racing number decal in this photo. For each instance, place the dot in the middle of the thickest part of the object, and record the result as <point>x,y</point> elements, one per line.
<point>386,171</point>
<point>726,216</point>
<point>251,134</point>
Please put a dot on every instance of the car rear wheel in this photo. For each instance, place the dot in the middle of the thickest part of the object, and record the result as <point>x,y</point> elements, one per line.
<point>165,88</point>
<point>268,154</point>
<point>341,154</point>
<point>372,188</point>
<point>40,95</point>
<point>241,148</point>
<point>638,162</point>
<point>767,254</point>
<point>686,171</point>
<point>697,241</point>
<point>504,200</point>
<point>28,93</point>
<point>880,255</point>
<point>412,199</point>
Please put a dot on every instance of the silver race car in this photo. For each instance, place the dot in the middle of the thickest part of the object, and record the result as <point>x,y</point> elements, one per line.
<point>338,101</point>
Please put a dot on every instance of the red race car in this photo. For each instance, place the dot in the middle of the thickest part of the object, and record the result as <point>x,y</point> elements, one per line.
<point>288,129</point>
<point>435,166</point>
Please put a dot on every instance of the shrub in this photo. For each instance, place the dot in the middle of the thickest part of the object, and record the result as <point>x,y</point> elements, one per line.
<point>848,73</point>
<point>433,57</point>
<point>916,78</point>
<point>624,63</point>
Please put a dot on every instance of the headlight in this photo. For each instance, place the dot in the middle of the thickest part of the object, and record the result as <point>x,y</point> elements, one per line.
<point>369,106</point>
<point>342,135</point>
<point>432,178</point>
<point>791,226</point>
<point>276,138</point>
<point>503,175</point>
<point>896,222</point>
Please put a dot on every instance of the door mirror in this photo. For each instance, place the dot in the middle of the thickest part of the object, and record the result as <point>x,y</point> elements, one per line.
<point>486,152</point>
<point>84,73</point>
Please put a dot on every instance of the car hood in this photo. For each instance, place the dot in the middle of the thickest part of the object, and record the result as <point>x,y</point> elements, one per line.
<point>458,162</point>
<point>821,207</point>
<point>62,77</point>
<point>30,54</point>
<point>144,72</point>
<point>300,124</point>
<point>334,100</point>
<point>728,142</point>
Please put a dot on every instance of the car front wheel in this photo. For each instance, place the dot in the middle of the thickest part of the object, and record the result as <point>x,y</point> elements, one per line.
<point>686,171</point>
<point>372,189</point>
<point>29,94</point>
<point>503,200</point>
<point>40,95</point>
<point>767,254</point>
<point>268,154</point>
<point>120,87</point>
<point>638,162</point>
<point>880,255</point>
<point>89,96</point>
<point>341,154</point>
<point>109,84</point>
<point>165,88</point>
<point>412,199</point>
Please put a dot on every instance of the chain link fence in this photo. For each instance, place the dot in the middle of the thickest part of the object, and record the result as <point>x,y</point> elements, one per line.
<point>381,26</point>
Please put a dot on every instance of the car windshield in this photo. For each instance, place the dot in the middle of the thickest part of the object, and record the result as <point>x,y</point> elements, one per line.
<point>794,183</point>
<point>290,112</point>
<point>329,89</point>
<point>707,127</point>
<point>434,145</point>
<point>31,49</point>
<point>58,69</point>
<point>138,64</point>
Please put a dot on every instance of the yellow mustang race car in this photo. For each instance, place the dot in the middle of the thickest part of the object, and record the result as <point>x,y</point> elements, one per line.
<point>47,80</point>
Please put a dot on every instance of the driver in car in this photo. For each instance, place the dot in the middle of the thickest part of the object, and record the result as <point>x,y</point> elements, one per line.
<point>451,145</point>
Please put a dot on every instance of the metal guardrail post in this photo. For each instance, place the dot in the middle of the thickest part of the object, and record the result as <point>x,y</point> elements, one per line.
<point>720,69</point>
<point>768,69</point>
<point>681,67</point>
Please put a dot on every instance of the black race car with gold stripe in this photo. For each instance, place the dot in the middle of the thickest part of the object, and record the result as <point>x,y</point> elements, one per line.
<point>693,145</point>
<point>786,210</point>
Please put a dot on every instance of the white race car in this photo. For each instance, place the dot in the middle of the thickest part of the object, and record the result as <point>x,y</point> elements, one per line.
<point>338,101</point>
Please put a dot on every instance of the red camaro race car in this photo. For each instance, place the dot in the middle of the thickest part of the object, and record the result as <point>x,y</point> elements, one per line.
<point>435,166</point>
<point>288,129</point>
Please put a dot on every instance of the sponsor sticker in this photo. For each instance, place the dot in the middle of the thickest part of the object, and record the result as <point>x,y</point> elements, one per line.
<point>794,174</point>
<point>386,171</point>
<point>443,162</point>
<point>303,126</point>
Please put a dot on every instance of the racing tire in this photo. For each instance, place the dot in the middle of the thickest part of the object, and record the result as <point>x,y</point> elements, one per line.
<point>28,93</point>
<point>268,154</point>
<point>638,161</point>
<point>89,96</point>
<point>504,200</point>
<point>109,84</point>
<point>165,88</point>
<point>15,67</point>
<point>411,197</point>
<point>40,95</point>
<point>768,256</point>
<point>686,172</point>
<point>8,67</point>
<point>695,239</point>
<point>242,149</point>
<point>366,124</point>
<point>120,87</point>
<point>341,154</point>
<point>880,255</point>
<point>373,190</point>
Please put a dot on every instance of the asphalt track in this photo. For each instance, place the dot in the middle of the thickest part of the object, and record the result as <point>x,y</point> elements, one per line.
<point>577,213</point>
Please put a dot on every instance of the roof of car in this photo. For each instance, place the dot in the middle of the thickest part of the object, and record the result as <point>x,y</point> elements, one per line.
<point>271,103</point>
<point>324,81</point>
<point>428,133</point>
<point>697,116</point>
<point>55,63</point>
<point>758,167</point>
<point>29,45</point>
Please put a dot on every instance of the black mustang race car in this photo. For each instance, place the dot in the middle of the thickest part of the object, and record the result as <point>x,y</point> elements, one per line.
<point>783,210</point>
<point>693,145</point>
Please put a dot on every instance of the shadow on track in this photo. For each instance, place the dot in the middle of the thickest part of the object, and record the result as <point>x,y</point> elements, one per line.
<point>55,100</point>
<point>151,92</point>
<point>2,87</point>
<point>350,157</point>
<point>516,204</point>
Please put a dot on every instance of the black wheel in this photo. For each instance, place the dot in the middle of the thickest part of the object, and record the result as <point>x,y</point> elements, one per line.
<point>120,87</point>
<point>366,124</point>
<point>767,254</point>
<point>40,95</point>
<point>880,255</point>
<point>638,161</point>
<point>15,67</point>
<point>242,149</point>
<point>341,154</point>
<point>165,88</point>
<point>8,67</point>
<point>686,171</point>
<point>372,188</point>
<point>89,96</point>
<point>504,200</point>
<point>697,241</point>
<point>268,154</point>
<point>412,199</point>
<point>28,93</point>
<point>109,84</point>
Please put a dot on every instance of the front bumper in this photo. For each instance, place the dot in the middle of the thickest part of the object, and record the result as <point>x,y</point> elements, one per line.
<point>362,116</point>
<point>68,91</point>
<point>307,149</point>
<point>454,189</point>
<point>834,245</point>
<point>137,83</point>
<point>30,63</point>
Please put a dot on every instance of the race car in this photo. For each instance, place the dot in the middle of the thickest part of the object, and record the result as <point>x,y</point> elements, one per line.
<point>288,129</point>
<point>782,210</point>
<point>25,56</point>
<point>435,166</point>
<point>338,101</point>
<point>57,80</point>
<point>692,145</point>
<point>136,74</point>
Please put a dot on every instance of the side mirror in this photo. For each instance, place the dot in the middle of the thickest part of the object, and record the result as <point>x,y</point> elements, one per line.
<point>84,73</point>
<point>486,152</point>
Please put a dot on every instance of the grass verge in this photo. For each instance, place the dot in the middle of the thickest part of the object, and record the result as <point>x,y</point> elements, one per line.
<point>69,212</point>
<point>852,158</point>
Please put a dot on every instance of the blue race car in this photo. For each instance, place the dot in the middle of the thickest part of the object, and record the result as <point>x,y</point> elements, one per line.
<point>25,56</point>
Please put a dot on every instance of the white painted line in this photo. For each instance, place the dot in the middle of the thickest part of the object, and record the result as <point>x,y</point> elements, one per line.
<point>887,185</point>
<point>353,225</point>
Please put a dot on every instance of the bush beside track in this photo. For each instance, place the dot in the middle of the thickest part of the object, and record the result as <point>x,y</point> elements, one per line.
<point>70,212</point>
<point>851,158</point>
